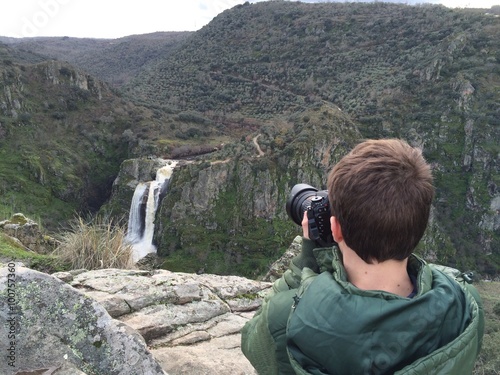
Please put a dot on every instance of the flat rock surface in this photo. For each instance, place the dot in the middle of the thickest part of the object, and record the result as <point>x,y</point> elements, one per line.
<point>191,323</point>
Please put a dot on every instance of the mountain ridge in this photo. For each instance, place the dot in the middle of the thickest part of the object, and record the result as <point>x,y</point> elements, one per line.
<point>100,56</point>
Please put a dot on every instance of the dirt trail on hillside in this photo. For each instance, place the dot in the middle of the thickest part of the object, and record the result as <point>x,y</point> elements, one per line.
<point>259,150</point>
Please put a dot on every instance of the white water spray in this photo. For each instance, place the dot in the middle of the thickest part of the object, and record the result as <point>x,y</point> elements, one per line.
<point>141,224</point>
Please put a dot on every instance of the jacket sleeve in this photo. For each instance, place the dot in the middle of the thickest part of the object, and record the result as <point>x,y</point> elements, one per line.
<point>263,338</point>
<point>465,280</point>
<point>292,277</point>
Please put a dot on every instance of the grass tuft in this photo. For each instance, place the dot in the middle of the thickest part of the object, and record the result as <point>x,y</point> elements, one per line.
<point>97,244</point>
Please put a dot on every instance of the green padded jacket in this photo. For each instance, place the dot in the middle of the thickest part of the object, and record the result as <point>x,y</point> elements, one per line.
<point>322,324</point>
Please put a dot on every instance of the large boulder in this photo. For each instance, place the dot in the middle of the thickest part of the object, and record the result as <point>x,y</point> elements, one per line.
<point>51,328</point>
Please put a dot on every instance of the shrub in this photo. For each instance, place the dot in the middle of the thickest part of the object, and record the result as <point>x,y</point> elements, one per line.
<point>25,118</point>
<point>65,72</point>
<point>59,115</point>
<point>94,245</point>
<point>496,309</point>
<point>192,117</point>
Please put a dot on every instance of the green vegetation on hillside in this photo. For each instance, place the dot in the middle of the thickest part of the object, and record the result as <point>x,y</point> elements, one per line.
<point>12,251</point>
<point>488,362</point>
<point>425,73</point>
<point>59,147</point>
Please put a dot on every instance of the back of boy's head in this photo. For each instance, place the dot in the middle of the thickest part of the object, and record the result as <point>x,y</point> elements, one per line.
<point>381,194</point>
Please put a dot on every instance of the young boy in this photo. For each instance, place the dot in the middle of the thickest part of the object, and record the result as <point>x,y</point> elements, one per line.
<point>374,307</point>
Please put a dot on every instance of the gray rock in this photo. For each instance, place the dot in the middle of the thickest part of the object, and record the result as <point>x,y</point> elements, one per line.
<point>64,276</point>
<point>28,234</point>
<point>53,327</point>
<point>191,322</point>
<point>219,356</point>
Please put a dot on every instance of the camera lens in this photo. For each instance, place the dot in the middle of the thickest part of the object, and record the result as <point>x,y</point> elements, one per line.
<point>300,199</point>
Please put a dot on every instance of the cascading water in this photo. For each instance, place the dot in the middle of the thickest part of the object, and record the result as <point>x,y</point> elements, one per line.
<point>143,208</point>
<point>136,216</point>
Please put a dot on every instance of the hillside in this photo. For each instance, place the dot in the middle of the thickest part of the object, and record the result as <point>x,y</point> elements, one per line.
<point>426,73</point>
<point>52,136</point>
<point>489,360</point>
<point>63,135</point>
<point>14,55</point>
<point>263,58</point>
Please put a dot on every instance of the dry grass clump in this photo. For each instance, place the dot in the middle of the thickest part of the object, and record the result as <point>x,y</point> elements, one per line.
<point>97,244</point>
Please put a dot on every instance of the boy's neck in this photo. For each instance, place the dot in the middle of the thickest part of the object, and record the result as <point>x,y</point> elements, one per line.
<point>390,276</point>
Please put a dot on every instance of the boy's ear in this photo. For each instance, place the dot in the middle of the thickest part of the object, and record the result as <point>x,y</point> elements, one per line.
<point>336,229</point>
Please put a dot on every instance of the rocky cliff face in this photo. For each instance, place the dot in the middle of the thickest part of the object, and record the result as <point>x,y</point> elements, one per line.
<point>466,164</point>
<point>132,172</point>
<point>226,214</point>
<point>60,139</point>
<point>15,80</point>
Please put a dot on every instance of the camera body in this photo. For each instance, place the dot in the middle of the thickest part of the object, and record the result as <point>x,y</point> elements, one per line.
<point>304,198</point>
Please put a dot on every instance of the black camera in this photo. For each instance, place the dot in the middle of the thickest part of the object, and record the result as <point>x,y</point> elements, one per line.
<point>303,198</point>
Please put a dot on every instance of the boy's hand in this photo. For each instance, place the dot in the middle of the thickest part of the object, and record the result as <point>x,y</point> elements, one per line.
<point>305,225</point>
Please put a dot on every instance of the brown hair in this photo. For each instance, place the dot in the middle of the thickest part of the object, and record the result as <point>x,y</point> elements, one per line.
<point>381,193</point>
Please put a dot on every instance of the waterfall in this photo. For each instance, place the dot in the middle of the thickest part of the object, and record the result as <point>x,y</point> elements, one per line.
<point>143,208</point>
<point>136,217</point>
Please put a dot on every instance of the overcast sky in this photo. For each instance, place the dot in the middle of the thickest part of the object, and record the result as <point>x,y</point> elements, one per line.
<point>114,19</point>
